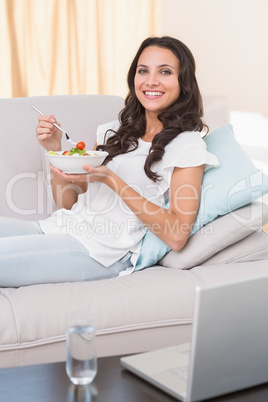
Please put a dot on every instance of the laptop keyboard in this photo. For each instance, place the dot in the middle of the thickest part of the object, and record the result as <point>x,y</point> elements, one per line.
<point>179,372</point>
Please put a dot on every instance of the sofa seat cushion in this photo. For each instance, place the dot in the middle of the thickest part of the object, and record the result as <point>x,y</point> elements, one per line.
<point>34,317</point>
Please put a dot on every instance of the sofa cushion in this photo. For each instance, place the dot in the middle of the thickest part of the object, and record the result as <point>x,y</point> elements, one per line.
<point>217,235</point>
<point>235,183</point>
<point>252,248</point>
<point>147,310</point>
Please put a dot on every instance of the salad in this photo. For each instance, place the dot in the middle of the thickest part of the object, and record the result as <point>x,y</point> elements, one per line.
<point>78,150</point>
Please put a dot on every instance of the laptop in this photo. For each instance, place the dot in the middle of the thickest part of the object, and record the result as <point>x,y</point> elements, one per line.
<point>228,350</point>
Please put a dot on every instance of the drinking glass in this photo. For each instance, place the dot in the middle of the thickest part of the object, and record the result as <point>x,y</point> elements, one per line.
<point>81,363</point>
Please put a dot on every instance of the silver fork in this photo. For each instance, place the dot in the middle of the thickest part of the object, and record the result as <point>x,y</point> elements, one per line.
<point>58,127</point>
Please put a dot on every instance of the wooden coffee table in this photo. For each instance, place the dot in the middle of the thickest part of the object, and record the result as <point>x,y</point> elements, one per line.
<point>49,383</point>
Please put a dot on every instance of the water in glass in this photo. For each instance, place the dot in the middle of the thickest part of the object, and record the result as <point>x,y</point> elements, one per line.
<point>81,364</point>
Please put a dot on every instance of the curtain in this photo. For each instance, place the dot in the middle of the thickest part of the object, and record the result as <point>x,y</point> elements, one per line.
<point>263,56</point>
<point>50,47</point>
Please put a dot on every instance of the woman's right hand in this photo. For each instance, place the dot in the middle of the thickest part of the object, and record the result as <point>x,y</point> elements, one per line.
<point>47,134</point>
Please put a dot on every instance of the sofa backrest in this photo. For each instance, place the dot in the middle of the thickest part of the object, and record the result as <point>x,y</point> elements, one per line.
<point>23,169</point>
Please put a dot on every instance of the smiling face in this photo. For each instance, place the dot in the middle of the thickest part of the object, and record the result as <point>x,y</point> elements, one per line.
<point>156,79</point>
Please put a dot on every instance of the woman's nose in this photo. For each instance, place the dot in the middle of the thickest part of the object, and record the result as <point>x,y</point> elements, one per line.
<point>152,79</point>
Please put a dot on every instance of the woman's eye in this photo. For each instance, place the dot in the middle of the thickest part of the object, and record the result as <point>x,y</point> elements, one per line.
<point>142,71</point>
<point>167,72</point>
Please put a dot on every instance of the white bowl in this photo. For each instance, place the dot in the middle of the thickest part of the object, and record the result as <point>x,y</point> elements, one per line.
<point>73,164</point>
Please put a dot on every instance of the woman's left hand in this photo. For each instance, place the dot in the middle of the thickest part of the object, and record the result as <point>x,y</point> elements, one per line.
<point>94,174</point>
<point>101,174</point>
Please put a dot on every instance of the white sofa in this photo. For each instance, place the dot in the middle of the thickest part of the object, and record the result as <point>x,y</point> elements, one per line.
<point>149,309</point>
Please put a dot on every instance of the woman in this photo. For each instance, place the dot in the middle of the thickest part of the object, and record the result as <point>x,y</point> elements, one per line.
<point>155,152</point>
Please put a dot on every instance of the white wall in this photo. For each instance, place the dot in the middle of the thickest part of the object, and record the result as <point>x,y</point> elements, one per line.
<point>229,39</point>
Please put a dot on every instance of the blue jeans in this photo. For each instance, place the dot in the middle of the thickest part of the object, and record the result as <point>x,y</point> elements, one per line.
<point>28,256</point>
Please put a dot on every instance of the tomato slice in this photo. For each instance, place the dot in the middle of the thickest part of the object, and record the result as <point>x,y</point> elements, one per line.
<point>64,153</point>
<point>80,145</point>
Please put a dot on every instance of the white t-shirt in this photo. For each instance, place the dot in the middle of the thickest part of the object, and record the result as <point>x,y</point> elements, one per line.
<point>101,221</point>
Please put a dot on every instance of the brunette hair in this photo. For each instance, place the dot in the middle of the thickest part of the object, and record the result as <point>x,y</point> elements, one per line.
<point>185,114</point>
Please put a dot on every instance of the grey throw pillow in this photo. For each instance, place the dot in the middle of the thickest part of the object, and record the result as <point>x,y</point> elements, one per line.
<point>217,235</point>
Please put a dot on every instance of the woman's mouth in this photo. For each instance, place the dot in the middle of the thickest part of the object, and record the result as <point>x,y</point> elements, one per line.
<point>153,94</point>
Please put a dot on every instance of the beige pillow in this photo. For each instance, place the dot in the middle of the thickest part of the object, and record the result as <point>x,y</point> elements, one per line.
<point>217,235</point>
<point>252,248</point>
